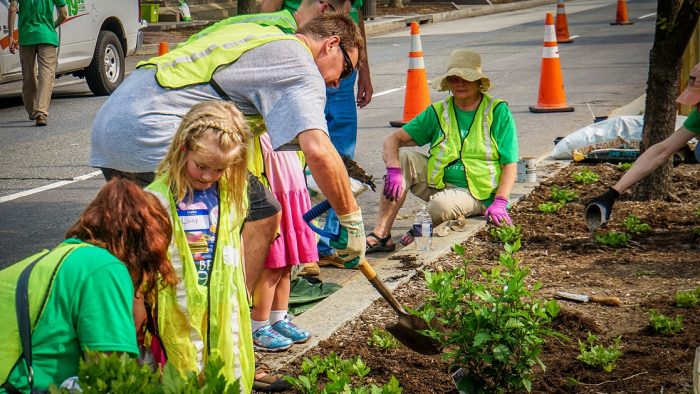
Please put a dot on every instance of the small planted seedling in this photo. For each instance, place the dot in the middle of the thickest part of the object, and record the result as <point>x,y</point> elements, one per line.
<point>634,225</point>
<point>586,177</point>
<point>381,339</point>
<point>688,299</point>
<point>613,239</point>
<point>562,195</point>
<point>550,207</point>
<point>599,356</point>
<point>624,166</point>
<point>506,234</point>
<point>664,324</point>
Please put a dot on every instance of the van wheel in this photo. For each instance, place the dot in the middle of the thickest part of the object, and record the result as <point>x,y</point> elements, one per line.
<point>106,70</point>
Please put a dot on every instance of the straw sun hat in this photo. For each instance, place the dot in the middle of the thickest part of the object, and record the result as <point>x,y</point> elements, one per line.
<point>466,65</point>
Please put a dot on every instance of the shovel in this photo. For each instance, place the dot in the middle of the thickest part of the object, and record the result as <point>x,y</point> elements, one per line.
<point>609,301</point>
<point>407,328</point>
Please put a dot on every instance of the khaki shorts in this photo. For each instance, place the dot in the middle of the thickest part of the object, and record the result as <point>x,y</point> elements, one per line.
<point>443,204</point>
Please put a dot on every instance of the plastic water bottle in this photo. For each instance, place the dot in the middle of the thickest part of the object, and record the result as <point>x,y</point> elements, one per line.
<point>423,230</point>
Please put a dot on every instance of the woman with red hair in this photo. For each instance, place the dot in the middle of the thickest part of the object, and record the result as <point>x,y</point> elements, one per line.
<point>82,294</point>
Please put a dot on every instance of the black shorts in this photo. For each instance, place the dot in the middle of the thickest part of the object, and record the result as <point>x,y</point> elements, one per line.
<point>262,203</point>
<point>142,179</point>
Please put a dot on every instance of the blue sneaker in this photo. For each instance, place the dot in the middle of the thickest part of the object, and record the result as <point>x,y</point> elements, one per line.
<point>266,339</point>
<point>291,331</point>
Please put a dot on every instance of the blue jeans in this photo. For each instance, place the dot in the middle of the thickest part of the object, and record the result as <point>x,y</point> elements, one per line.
<point>341,116</point>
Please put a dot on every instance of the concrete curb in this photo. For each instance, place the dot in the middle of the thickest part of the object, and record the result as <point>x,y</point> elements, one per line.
<point>374,28</point>
<point>326,317</point>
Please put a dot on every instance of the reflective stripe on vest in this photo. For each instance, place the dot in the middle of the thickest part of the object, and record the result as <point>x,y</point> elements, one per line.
<point>40,284</point>
<point>478,151</point>
<point>196,322</point>
<point>197,62</point>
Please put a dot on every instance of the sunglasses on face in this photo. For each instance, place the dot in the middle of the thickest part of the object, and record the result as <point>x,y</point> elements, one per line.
<point>347,65</point>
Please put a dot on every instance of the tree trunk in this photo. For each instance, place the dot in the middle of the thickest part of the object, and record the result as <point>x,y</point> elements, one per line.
<point>675,23</point>
<point>396,3</point>
<point>246,7</point>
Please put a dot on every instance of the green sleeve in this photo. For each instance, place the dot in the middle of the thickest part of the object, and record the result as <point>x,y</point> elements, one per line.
<point>423,127</point>
<point>104,319</point>
<point>692,123</point>
<point>291,5</point>
<point>503,130</point>
<point>59,3</point>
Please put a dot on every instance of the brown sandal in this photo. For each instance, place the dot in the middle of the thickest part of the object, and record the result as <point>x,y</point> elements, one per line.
<point>381,245</point>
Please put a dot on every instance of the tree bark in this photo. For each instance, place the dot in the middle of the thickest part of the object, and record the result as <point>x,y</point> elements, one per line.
<point>675,23</point>
<point>247,7</point>
<point>396,3</point>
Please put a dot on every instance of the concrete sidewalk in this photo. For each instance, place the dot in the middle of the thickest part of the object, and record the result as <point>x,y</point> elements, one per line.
<point>157,32</point>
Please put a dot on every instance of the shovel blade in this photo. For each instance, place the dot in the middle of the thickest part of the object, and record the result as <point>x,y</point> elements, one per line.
<point>406,330</point>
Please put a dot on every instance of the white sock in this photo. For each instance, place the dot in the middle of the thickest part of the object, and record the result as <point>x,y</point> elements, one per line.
<point>276,316</point>
<point>257,324</point>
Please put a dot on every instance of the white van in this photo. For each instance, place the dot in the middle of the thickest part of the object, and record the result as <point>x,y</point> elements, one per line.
<point>94,40</point>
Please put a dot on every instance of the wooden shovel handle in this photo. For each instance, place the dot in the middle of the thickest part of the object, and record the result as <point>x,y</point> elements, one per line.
<point>611,301</point>
<point>377,283</point>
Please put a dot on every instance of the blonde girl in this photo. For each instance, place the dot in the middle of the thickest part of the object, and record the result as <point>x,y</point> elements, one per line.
<point>202,181</point>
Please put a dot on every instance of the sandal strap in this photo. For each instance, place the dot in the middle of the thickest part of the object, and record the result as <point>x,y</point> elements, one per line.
<point>382,241</point>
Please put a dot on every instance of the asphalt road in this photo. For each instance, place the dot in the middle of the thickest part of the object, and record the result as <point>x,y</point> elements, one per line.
<point>606,67</point>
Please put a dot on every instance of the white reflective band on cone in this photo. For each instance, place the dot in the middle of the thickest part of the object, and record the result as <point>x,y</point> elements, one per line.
<point>415,43</point>
<point>550,52</point>
<point>549,34</point>
<point>415,63</point>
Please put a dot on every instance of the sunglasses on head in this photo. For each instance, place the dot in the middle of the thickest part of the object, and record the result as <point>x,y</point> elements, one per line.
<point>329,5</point>
<point>347,66</point>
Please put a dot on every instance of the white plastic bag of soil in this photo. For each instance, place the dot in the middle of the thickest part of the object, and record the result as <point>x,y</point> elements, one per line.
<point>619,132</point>
<point>317,196</point>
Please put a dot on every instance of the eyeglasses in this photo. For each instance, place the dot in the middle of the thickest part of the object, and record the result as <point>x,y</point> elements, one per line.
<point>329,5</point>
<point>348,68</point>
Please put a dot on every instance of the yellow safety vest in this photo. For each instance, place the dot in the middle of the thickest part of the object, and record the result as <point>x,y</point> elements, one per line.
<point>39,288</point>
<point>478,151</point>
<point>197,322</point>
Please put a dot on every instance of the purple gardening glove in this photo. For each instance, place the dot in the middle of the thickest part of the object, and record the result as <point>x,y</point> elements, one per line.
<point>497,213</point>
<point>393,183</point>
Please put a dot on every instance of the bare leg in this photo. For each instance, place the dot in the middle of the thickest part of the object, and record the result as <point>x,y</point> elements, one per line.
<point>386,216</point>
<point>265,293</point>
<point>281,301</point>
<point>257,237</point>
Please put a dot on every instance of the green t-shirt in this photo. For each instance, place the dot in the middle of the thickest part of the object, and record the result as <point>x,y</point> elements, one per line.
<point>692,123</point>
<point>425,129</point>
<point>90,307</point>
<point>293,5</point>
<point>35,24</point>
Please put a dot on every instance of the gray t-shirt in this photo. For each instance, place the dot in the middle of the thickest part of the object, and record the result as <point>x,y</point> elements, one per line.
<point>279,80</point>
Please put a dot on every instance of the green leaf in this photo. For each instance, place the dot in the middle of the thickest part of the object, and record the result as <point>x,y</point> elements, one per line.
<point>481,338</point>
<point>458,249</point>
<point>501,353</point>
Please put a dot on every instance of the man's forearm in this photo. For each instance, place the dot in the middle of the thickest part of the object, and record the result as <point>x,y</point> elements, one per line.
<point>328,170</point>
<point>11,12</point>
<point>271,5</point>
<point>62,15</point>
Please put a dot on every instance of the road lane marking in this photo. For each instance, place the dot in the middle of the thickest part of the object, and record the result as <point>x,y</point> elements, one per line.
<point>48,187</point>
<point>388,91</point>
<point>647,16</point>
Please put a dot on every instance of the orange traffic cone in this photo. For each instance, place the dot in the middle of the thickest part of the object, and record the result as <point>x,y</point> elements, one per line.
<point>417,97</point>
<point>561,25</point>
<point>621,17</point>
<point>162,48</point>
<point>551,97</point>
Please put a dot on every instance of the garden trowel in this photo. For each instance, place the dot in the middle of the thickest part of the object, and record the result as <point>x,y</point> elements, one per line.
<point>603,300</point>
<point>407,328</point>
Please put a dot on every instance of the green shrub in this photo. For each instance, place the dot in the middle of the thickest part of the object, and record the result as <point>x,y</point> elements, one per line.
<point>550,207</point>
<point>562,195</point>
<point>688,299</point>
<point>333,374</point>
<point>506,234</point>
<point>664,324</point>
<point>585,176</point>
<point>494,324</point>
<point>119,373</point>
<point>599,356</point>
<point>624,166</point>
<point>613,238</point>
<point>634,225</point>
<point>381,339</point>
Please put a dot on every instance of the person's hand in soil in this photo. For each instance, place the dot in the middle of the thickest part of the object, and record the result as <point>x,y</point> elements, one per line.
<point>497,212</point>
